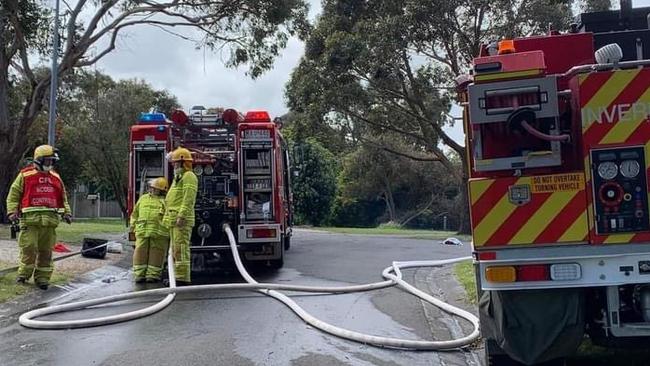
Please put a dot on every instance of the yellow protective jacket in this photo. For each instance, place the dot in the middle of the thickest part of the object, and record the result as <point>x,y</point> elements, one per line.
<point>146,218</point>
<point>181,199</point>
<point>39,217</point>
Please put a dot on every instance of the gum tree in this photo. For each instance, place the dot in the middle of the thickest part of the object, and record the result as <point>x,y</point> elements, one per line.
<point>251,31</point>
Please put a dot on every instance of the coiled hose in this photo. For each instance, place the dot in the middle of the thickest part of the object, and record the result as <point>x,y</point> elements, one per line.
<point>392,275</point>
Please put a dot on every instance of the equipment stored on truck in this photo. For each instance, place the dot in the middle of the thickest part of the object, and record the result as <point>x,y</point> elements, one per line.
<point>558,140</point>
<point>242,164</point>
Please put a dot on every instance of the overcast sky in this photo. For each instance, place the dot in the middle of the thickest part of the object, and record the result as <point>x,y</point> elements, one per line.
<point>199,78</point>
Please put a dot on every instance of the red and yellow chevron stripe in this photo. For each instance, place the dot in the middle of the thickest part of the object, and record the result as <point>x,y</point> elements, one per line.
<point>615,111</point>
<point>554,213</point>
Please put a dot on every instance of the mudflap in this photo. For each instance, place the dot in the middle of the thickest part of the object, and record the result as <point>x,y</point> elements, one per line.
<point>534,326</point>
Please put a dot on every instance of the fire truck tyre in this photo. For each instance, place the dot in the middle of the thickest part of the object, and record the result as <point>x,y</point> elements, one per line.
<point>534,326</point>
<point>495,356</point>
<point>278,263</point>
<point>287,242</point>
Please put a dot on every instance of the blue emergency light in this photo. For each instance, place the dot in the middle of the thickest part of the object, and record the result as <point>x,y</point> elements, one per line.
<point>152,118</point>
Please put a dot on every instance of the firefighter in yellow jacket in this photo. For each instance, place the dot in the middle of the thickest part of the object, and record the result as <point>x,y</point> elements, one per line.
<point>37,197</point>
<point>151,237</point>
<point>179,212</point>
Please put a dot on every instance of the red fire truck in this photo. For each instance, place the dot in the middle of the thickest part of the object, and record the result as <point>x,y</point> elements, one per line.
<point>558,140</point>
<point>242,163</point>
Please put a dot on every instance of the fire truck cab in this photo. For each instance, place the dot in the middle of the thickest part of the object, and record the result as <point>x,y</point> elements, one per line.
<point>242,164</point>
<point>558,140</point>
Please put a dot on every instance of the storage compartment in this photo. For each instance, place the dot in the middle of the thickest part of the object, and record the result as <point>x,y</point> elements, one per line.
<point>257,161</point>
<point>257,182</point>
<point>258,206</point>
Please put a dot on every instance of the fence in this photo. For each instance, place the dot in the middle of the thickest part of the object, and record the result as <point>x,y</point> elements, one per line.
<point>86,205</point>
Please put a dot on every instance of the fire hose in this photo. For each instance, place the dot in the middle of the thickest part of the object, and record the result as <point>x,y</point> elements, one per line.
<point>392,275</point>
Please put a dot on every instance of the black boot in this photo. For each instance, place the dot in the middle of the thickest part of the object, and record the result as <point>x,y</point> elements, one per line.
<point>20,280</point>
<point>43,286</point>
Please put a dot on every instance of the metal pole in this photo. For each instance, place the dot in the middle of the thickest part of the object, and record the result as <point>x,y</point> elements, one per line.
<point>53,80</point>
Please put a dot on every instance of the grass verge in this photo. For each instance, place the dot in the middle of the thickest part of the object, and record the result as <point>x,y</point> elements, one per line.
<point>464,272</point>
<point>74,234</point>
<point>9,289</point>
<point>390,230</point>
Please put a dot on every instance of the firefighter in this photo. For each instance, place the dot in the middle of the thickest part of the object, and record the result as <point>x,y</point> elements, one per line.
<point>151,237</point>
<point>179,212</point>
<point>37,197</point>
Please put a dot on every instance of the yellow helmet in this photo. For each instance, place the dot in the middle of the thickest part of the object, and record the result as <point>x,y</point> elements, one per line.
<point>45,151</point>
<point>159,183</point>
<point>181,154</point>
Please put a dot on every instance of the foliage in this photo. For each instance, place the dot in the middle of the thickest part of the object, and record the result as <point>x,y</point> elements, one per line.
<point>408,188</point>
<point>596,5</point>
<point>250,32</point>
<point>96,110</point>
<point>314,187</point>
<point>387,68</point>
<point>356,212</point>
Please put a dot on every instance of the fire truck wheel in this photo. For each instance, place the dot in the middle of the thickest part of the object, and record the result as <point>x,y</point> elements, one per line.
<point>278,263</point>
<point>287,242</point>
<point>494,356</point>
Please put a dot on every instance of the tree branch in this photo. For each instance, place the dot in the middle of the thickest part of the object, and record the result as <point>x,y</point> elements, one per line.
<point>395,152</point>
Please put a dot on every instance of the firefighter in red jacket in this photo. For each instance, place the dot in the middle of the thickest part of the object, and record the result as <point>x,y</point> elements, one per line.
<point>37,197</point>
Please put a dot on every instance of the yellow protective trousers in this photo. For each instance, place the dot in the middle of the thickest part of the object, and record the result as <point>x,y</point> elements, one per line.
<point>180,242</point>
<point>149,256</point>
<point>36,243</point>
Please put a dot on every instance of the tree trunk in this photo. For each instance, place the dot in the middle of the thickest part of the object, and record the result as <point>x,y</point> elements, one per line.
<point>13,143</point>
<point>418,212</point>
<point>9,167</point>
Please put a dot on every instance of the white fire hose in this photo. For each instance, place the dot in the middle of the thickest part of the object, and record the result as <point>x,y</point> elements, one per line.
<point>392,275</point>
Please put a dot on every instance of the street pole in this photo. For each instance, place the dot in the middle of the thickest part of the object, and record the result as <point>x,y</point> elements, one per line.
<point>54,77</point>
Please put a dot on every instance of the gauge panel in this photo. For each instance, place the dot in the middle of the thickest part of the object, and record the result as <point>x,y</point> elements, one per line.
<point>620,190</point>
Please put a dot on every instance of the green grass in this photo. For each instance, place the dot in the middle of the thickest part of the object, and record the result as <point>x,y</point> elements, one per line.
<point>74,234</point>
<point>391,230</point>
<point>464,272</point>
<point>9,289</point>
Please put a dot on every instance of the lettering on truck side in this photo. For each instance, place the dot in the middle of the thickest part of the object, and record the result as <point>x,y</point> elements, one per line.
<point>625,112</point>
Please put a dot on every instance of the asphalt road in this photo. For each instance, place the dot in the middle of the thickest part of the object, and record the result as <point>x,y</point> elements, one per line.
<point>244,328</point>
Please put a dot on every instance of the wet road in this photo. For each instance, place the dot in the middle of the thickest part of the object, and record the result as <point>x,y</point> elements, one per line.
<point>244,328</point>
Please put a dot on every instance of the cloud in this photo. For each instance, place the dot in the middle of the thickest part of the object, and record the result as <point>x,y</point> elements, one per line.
<point>199,77</point>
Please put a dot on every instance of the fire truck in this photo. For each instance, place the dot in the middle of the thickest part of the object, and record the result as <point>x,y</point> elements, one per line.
<point>242,164</point>
<point>558,145</point>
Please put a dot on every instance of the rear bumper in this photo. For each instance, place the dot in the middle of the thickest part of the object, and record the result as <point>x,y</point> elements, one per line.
<point>600,265</point>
